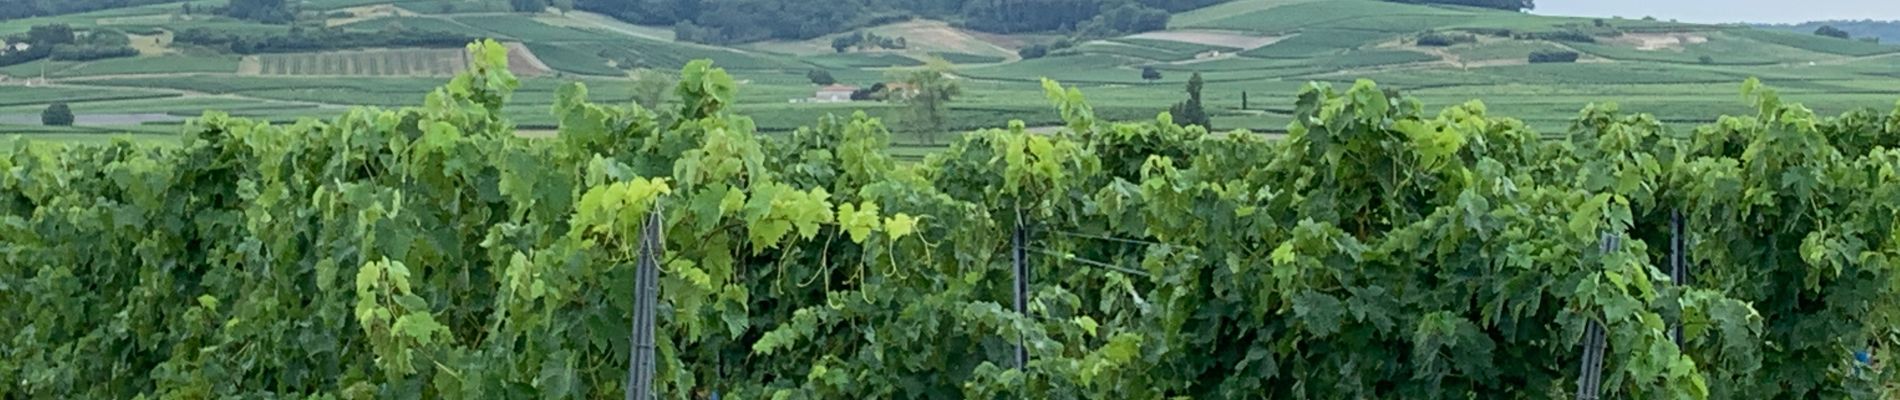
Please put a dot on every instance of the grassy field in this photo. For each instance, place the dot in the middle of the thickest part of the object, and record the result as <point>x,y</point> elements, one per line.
<point>1513,50</point>
<point>412,23</point>
<point>1720,49</point>
<point>1318,42</point>
<point>862,60</point>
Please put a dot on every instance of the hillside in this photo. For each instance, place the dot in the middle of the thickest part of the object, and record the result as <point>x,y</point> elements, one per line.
<point>1885,31</point>
<point>1260,50</point>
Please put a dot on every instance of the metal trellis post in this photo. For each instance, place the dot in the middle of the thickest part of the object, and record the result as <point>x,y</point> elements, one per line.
<point>1590,378</point>
<point>1020,259</point>
<point>646,293</point>
<point>1678,267</point>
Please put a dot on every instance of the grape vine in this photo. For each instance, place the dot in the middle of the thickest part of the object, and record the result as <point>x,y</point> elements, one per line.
<point>1376,251</point>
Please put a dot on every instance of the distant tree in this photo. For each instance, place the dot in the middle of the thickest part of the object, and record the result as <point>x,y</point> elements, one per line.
<point>1124,19</point>
<point>687,31</point>
<point>820,77</point>
<point>868,93</point>
<point>926,94</point>
<point>528,6</point>
<point>1441,39</point>
<point>1600,23</point>
<point>650,87</point>
<point>57,114</point>
<point>1033,51</point>
<point>1190,112</point>
<point>266,11</point>
<point>1650,18</point>
<point>1150,73</point>
<point>844,42</point>
<point>48,35</point>
<point>1831,31</point>
<point>563,5</point>
<point>187,8</point>
<point>1706,60</point>
<point>1553,56</point>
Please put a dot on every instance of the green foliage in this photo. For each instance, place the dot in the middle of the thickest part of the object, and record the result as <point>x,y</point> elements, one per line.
<point>1553,56</point>
<point>265,11</point>
<point>651,87</point>
<point>1376,251</point>
<point>820,77</point>
<point>57,114</point>
<point>1831,31</point>
<point>926,95</point>
<point>1190,111</point>
<point>1443,39</point>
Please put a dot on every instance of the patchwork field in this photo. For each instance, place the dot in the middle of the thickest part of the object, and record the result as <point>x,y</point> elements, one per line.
<point>1262,49</point>
<point>410,62</point>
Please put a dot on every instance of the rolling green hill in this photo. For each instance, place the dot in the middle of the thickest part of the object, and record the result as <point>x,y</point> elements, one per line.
<point>1260,49</point>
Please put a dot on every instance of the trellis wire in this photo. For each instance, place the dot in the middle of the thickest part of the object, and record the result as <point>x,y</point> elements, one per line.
<point>1088,262</point>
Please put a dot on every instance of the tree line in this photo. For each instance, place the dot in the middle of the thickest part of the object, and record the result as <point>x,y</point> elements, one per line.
<point>16,9</point>
<point>299,39</point>
<point>61,42</point>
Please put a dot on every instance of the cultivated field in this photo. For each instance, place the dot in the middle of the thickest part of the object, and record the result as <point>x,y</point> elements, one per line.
<point>1266,49</point>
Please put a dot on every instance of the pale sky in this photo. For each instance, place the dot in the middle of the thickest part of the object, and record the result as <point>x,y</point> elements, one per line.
<point>1720,11</point>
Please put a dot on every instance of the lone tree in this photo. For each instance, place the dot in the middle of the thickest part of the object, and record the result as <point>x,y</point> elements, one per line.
<point>1149,73</point>
<point>1190,112</point>
<point>820,77</point>
<point>926,95</point>
<point>650,87</point>
<point>57,114</point>
<point>1831,31</point>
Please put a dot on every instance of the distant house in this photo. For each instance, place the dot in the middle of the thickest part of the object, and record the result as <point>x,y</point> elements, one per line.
<point>833,93</point>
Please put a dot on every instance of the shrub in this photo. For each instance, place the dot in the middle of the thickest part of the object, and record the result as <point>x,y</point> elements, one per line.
<point>1706,60</point>
<point>1033,51</point>
<point>1561,36</point>
<point>1553,56</point>
<point>57,114</point>
<point>1831,31</point>
<point>1437,39</point>
<point>820,77</point>
<point>1498,32</point>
